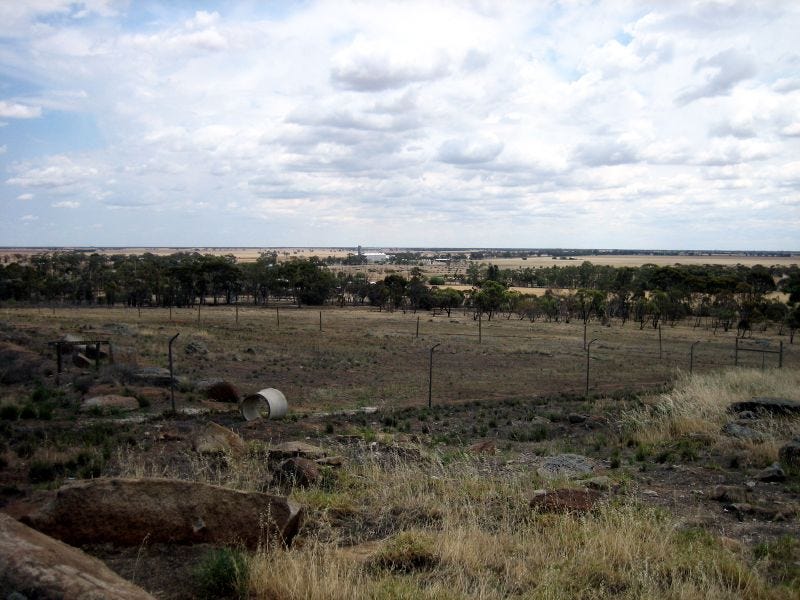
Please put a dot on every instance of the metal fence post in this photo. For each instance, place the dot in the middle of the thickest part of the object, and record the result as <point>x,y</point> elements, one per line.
<point>588,347</point>
<point>691,356</point>
<point>171,376</point>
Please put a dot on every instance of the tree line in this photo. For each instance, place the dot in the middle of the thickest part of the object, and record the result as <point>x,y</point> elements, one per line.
<point>718,296</point>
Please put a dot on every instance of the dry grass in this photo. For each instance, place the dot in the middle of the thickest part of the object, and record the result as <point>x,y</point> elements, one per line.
<point>698,407</point>
<point>489,544</point>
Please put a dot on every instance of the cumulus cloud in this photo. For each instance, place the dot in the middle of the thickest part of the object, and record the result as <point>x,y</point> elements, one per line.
<point>728,69</point>
<point>60,171</point>
<point>66,204</point>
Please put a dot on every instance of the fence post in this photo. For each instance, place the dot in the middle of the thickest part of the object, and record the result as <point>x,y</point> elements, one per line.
<point>691,355</point>
<point>237,313</point>
<point>417,327</point>
<point>278,316</point>
<point>736,354</point>
<point>659,342</point>
<point>320,321</point>
<point>780,355</point>
<point>480,322</point>
<point>430,376</point>
<point>198,313</point>
<point>171,376</point>
<point>588,347</point>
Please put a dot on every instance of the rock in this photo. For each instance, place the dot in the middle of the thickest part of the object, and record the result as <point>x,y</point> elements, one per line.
<point>730,494</point>
<point>127,512</point>
<point>776,407</point>
<point>299,471</point>
<point>110,401</point>
<point>158,376</point>
<point>576,418</point>
<point>483,447</point>
<point>81,361</point>
<point>730,544</point>
<point>290,449</point>
<point>742,432</point>
<point>18,364</point>
<point>566,465</point>
<point>212,438</point>
<point>773,473</point>
<point>330,461</point>
<point>564,500</point>
<point>223,391</point>
<point>601,482</point>
<point>651,493</point>
<point>771,512</point>
<point>790,456</point>
<point>33,565</point>
<point>747,415</point>
<point>196,347</point>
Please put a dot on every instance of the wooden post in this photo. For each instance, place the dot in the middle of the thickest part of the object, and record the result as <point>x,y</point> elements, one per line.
<point>170,313</point>
<point>278,316</point>
<point>480,321</point>
<point>237,313</point>
<point>417,327</point>
<point>320,321</point>
<point>139,309</point>
<point>736,354</point>
<point>780,355</point>
<point>198,313</point>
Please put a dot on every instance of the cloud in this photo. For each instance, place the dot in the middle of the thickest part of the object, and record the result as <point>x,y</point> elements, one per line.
<point>25,197</point>
<point>741,129</point>
<point>786,85</point>
<point>729,68</point>
<point>60,172</point>
<point>26,218</point>
<point>371,65</point>
<point>791,130</point>
<point>470,151</point>
<point>604,153</point>
<point>13,110</point>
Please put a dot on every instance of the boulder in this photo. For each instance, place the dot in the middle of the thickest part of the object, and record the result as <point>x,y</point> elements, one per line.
<point>222,391</point>
<point>125,512</point>
<point>564,500</point>
<point>742,432</point>
<point>299,471</point>
<point>790,456</point>
<point>110,402</point>
<point>730,494</point>
<point>776,407</point>
<point>773,473</point>
<point>330,461</point>
<point>212,438</point>
<point>302,449</point>
<point>566,466</point>
<point>576,418</point>
<point>36,566</point>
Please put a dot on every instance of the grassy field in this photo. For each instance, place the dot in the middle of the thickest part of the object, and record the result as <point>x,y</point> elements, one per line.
<point>365,357</point>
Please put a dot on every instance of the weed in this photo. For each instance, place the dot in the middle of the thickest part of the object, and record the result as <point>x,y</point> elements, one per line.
<point>407,551</point>
<point>781,558</point>
<point>222,573</point>
<point>28,411</point>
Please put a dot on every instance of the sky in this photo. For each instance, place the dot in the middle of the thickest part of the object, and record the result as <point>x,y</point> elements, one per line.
<point>583,124</point>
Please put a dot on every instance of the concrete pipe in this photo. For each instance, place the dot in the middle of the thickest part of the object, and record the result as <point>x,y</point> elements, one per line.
<point>269,403</point>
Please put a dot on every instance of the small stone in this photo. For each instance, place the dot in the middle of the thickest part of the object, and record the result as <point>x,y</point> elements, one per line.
<point>790,455</point>
<point>773,473</point>
<point>730,494</point>
<point>651,493</point>
<point>196,348</point>
<point>742,432</point>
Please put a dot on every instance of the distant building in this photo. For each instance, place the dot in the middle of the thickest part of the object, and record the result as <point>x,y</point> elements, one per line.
<point>375,257</point>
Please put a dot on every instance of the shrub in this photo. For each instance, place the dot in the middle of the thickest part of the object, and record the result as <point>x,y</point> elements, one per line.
<point>27,412</point>
<point>9,412</point>
<point>408,551</point>
<point>222,573</point>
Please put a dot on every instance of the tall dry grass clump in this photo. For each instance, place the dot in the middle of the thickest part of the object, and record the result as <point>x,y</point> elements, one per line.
<point>698,404</point>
